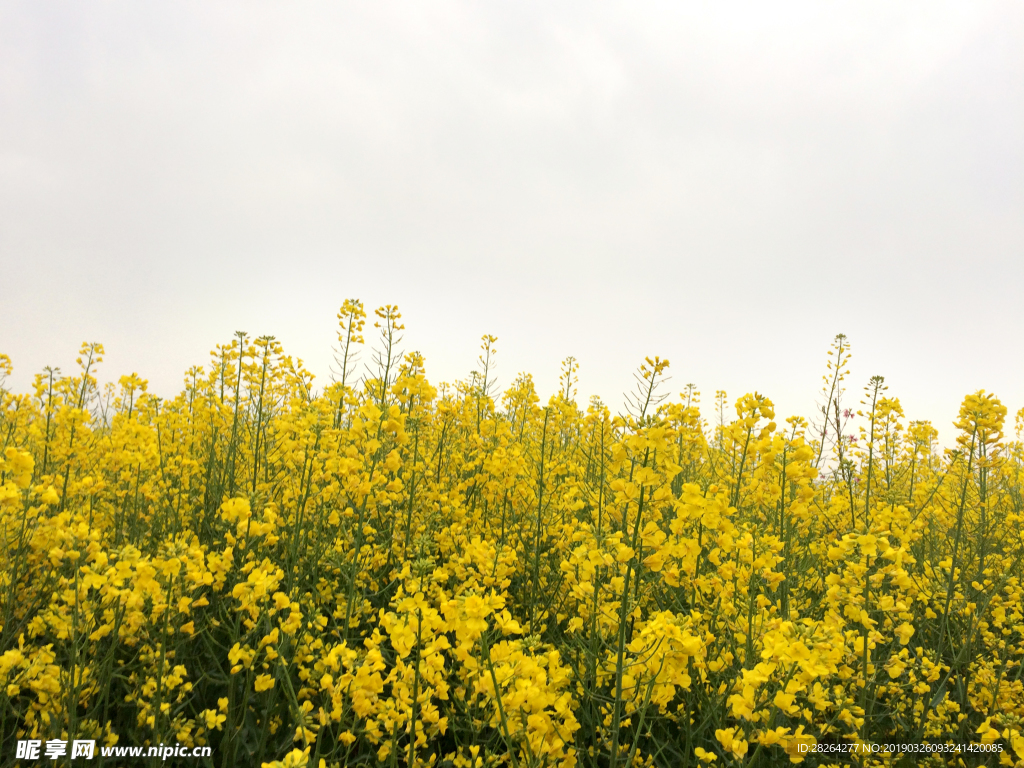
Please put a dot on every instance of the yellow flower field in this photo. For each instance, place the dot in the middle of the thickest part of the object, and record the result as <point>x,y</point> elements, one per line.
<point>385,572</point>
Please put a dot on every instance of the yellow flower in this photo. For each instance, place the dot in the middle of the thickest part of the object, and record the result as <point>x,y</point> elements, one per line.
<point>213,719</point>
<point>297,758</point>
<point>905,632</point>
<point>727,738</point>
<point>264,683</point>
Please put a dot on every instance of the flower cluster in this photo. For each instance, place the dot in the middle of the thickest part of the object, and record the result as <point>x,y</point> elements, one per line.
<point>385,571</point>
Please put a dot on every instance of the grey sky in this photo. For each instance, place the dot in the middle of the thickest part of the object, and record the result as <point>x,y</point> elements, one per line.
<point>726,185</point>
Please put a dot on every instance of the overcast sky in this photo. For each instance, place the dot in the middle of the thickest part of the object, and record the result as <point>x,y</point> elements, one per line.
<point>724,184</point>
